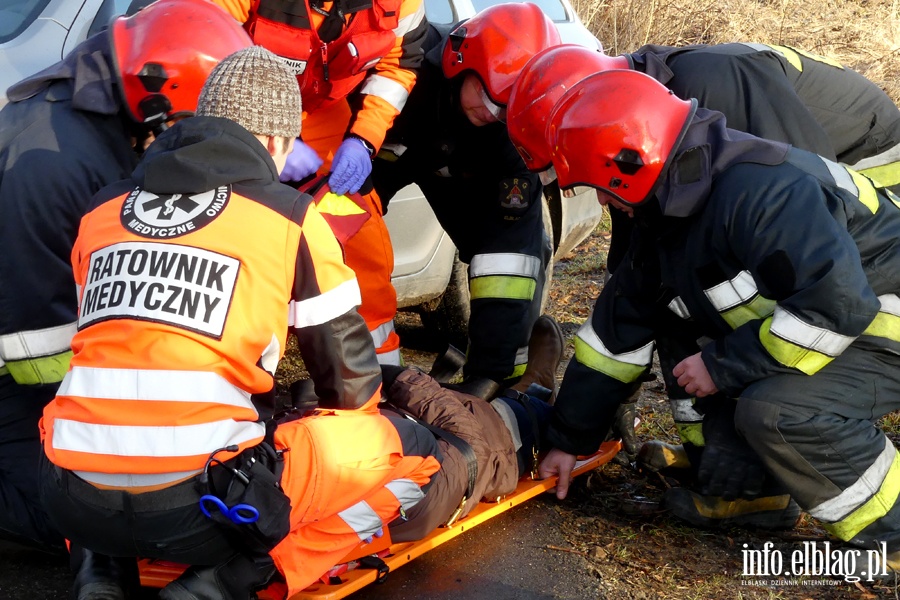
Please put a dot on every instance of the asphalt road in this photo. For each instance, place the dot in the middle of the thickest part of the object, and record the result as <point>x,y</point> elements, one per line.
<point>507,558</point>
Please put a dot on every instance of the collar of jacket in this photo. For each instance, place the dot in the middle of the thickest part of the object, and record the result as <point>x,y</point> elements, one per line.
<point>89,69</point>
<point>198,154</point>
<point>707,149</point>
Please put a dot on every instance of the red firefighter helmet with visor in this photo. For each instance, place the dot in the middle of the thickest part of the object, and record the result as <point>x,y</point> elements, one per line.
<point>164,53</point>
<point>616,131</point>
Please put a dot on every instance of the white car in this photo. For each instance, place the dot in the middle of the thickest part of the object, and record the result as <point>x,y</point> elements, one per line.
<point>427,275</point>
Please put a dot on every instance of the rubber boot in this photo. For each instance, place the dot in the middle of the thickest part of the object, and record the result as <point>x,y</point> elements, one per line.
<point>657,455</point>
<point>545,352</point>
<point>448,364</point>
<point>767,512</point>
<point>101,577</point>
<point>236,579</point>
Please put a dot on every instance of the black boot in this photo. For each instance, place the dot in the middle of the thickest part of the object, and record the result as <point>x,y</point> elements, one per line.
<point>236,579</point>
<point>101,577</point>
<point>480,387</point>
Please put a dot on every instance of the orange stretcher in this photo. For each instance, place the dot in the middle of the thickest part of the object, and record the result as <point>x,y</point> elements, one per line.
<point>345,579</point>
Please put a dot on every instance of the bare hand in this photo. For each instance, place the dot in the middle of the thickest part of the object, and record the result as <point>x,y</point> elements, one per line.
<point>558,463</point>
<point>694,377</point>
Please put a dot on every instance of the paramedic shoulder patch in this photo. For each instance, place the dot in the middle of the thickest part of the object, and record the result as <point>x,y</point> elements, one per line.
<point>182,286</point>
<point>171,215</point>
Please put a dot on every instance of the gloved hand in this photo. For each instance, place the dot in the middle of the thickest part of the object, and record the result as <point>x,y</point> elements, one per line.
<point>350,167</point>
<point>729,467</point>
<point>623,428</point>
<point>301,163</point>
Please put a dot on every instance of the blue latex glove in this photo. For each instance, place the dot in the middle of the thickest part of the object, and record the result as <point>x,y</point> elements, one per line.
<point>350,167</point>
<point>301,163</point>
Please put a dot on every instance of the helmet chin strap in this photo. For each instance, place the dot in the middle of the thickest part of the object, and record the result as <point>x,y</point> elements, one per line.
<point>496,110</point>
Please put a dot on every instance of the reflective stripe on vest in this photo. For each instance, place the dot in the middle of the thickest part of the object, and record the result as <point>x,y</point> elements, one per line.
<point>795,343</point>
<point>504,275</point>
<point>871,497</point>
<point>362,519</point>
<point>625,367</point>
<point>738,301</point>
<point>38,356</point>
<point>326,306</point>
<point>387,89</point>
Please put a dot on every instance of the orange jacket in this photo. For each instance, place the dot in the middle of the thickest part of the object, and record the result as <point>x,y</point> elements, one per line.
<point>374,56</point>
<point>184,306</point>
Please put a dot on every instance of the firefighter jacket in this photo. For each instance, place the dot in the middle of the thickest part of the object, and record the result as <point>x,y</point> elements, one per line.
<point>485,199</point>
<point>788,95</point>
<point>62,138</point>
<point>189,275</point>
<point>780,257</point>
<point>369,59</point>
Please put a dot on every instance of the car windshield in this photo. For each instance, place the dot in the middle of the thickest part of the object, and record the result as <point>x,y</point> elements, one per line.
<point>552,8</point>
<point>16,15</point>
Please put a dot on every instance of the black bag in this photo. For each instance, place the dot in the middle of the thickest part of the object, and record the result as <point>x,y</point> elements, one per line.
<point>251,478</point>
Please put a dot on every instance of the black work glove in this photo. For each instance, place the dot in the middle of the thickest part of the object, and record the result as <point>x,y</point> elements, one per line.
<point>729,467</point>
<point>623,429</point>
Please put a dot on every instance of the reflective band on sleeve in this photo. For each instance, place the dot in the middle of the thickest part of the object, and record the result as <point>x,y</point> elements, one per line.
<point>886,323</point>
<point>738,300</point>
<point>387,89</point>
<point>37,371</point>
<point>625,367</point>
<point>325,306</point>
<point>38,342</point>
<point>154,441</point>
<point>871,497</point>
<point>678,307</point>
<point>800,345</point>
<point>391,357</point>
<point>362,519</point>
<point>381,333</point>
<point>406,491</point>
<point>154,385</point>
<point>499,286</point>
<point>410,22</point>
<point>522,265</point>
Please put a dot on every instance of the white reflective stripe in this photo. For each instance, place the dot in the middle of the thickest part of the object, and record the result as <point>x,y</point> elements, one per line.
<point>159,385</point>
<point>887,157</point>
<point>134,480</point>
<point>410,22</point>
<point>388,90</point>
<point>406,491</point>
<point>841,177</point>
<point>326,306</point>
<point>678,307</point>
<point>683,411</point>
<point>890,303</point>
<point>271,355</point>
<point>37,342</point>
<point>505,263</point>
<point>153,441</point>
<point>641,357</point>
<point>856,495</point>
<point>789,327</point>
<point>381,333</point>
<point>728,294</point>
<point>389,358</point>
<point>362,519</point>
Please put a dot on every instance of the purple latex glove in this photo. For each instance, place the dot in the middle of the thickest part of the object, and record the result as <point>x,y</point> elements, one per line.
<point>301,163</point>
<point>350,167</point>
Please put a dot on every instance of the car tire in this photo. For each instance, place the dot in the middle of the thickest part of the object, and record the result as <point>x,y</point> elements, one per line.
<point>448,316</point>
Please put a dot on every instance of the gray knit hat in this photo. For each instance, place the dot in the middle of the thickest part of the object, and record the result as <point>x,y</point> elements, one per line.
<point>254,88</point>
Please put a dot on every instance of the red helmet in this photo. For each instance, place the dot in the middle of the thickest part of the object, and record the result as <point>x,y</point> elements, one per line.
<point>543,81</point>
<point>615,131</point>
<point>164,53</point>
<point>496,43</point>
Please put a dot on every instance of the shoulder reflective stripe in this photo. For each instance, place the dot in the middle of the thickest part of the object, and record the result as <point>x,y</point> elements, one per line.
<point>729,294</point>
<point>866,191</point>
<point>387,89</point>
<point>157,385</point>
<point>500,263</point>
<point>882,477</point>
<point>381,333</point>
<point>155,441</point>
<point>362,519</point>
<point>791,328</point>
<point>627,367</point>
<point>390,358</point>
<point>133,480</point>
<point>326,306</point>
<point>37,342</point>
<point>683,410</point>
<point>678,307</point>
<point>410,22</point>
<point>886,323</point>
<point>36,371</point>
<point>509,288</point>
<point>406,491</point>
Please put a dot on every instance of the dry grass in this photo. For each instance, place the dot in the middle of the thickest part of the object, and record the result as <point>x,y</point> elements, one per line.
<point>862,34</point>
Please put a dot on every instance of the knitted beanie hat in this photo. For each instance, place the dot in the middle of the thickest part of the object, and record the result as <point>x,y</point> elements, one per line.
<point>254,88</point>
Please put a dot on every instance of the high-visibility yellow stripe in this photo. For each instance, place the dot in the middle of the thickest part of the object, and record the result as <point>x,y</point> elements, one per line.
<point>36,371</point>
<point>339,206</point>
<point>791,355</point>
<point>876,507</point>
<point>758,308</point>
<point>622,371</point>
<point>691,433</point>
<point>883,175</point>
<point>499,286</point>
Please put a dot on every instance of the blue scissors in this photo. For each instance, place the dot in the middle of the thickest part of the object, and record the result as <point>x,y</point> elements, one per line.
<point>239,514</point>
